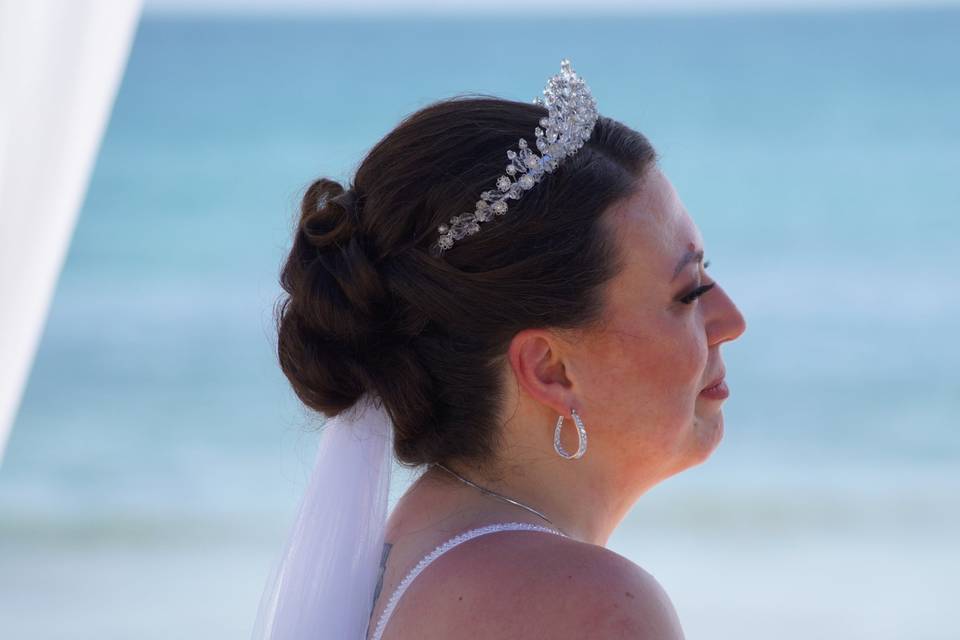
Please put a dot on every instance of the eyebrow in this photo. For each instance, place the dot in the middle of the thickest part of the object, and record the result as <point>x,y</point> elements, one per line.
<point>688,257</point>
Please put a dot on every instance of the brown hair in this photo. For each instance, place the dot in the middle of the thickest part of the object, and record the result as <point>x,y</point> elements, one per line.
<point>369,309</point>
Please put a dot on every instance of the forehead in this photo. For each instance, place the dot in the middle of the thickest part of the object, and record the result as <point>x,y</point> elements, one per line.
<point>654,229</point>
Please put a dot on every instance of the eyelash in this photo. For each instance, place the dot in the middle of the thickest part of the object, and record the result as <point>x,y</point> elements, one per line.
<point>699,291</point>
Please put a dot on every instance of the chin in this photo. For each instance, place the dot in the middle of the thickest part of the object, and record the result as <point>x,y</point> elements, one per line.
<point>718,434</point>
<point>710,433</point>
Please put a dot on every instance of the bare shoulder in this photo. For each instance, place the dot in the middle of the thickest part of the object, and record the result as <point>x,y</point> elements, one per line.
<point>602,594</point>
<point>628,600</point>
<point>521,584</point>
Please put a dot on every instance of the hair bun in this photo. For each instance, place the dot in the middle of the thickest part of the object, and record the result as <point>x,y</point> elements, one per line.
<point>334,267</point>
<point>348,202</point>
<point>329,214</point>
<point>334,323</point>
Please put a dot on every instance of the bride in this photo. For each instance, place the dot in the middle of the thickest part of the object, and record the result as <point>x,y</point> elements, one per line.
<point>475,308</point>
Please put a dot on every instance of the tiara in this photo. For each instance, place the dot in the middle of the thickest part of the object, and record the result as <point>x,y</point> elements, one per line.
<point>572,114</point>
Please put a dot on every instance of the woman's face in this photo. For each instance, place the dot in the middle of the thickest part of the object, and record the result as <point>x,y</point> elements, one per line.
<point>640,377</point>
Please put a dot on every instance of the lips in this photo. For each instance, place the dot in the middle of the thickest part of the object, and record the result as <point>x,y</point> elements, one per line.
<point>716,380</point>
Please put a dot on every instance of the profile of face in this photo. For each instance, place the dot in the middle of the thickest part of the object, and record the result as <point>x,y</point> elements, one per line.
<point>639,379</point>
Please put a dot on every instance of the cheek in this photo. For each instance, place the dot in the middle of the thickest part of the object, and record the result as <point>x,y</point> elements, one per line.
<point>673,360</point>
<point>656,389</point>
<point>648,379</point>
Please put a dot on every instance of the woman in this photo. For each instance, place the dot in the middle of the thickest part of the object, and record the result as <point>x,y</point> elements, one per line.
<point>583,302</point>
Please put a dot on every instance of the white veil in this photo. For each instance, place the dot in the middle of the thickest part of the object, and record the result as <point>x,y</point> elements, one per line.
<point>324,581</point>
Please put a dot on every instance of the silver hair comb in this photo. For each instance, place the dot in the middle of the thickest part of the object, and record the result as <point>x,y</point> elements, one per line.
<point>572,114</point>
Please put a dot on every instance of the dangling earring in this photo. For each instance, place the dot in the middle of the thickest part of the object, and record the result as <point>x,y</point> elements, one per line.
<point>581,437</point>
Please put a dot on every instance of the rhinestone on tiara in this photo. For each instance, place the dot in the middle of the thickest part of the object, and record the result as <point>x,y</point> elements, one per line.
<point>572,114</point>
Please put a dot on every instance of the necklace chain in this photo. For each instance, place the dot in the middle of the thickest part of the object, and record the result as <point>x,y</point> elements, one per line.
<point>496,495</point>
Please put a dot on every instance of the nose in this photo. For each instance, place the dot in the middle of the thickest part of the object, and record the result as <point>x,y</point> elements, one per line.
<point>725,321</point>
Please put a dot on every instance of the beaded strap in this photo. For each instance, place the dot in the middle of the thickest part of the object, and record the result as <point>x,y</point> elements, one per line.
<point>440,550</point>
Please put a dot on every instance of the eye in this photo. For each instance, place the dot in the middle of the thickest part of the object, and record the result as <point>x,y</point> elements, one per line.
<point>696,293</point>
<point>699,291</point>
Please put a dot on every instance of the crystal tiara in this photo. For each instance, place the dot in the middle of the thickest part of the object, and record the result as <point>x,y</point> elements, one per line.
<point>572,114</point>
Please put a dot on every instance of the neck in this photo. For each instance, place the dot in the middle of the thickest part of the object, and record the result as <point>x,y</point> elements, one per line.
<point>585,498</point>
<point>575,497</point>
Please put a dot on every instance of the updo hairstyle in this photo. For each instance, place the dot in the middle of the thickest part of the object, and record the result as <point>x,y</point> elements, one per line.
<point>367,308</point>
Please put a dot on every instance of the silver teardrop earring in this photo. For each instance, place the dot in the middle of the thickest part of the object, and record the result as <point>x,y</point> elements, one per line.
<point>581,437</point>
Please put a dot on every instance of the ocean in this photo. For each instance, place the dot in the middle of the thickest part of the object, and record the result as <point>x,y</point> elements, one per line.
<point>158,455</point>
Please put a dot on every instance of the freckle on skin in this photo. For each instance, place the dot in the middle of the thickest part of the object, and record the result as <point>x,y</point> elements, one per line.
<point>629,595</point>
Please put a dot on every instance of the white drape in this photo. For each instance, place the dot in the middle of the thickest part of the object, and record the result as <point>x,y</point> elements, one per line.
<point>60,65</point>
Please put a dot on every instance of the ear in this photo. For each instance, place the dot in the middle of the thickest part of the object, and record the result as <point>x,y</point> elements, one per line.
<point>538,359</point>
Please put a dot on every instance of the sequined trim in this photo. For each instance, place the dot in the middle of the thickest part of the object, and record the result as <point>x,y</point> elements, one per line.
<point>443,548</point>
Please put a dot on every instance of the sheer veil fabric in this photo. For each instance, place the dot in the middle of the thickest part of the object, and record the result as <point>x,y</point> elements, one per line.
<point>323,584</point>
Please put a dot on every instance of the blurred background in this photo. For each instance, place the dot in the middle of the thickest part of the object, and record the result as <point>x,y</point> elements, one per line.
<point>158,454</point>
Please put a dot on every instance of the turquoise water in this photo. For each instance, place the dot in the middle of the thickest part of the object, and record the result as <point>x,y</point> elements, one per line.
<point>158,453</point>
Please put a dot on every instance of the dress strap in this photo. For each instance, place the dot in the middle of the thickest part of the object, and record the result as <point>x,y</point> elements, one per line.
<point>443,548</point>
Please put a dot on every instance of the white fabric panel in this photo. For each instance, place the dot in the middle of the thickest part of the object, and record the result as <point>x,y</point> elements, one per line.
<point>60,66</point>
